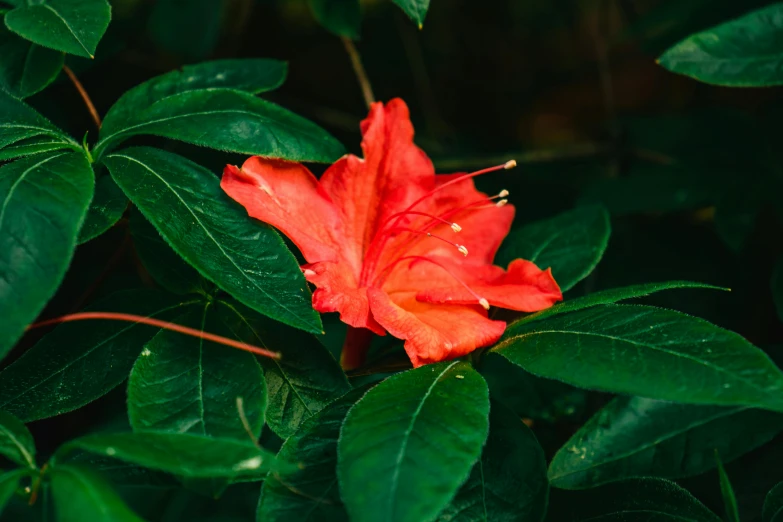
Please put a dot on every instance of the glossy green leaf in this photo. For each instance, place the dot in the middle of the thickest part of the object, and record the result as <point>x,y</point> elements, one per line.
<point>309,492</point>
<point>415,9</point>
<point>773,505</point>
<point>81,361</point>
<point>31,146</point>
<point>777,287</point>
<point>9,482</point>
<point>43,201</point>
<point>727,492</point>
<point>183,454</point>
<point>20,122</point>
<point>81,494</point>
<point>164,265</point>
<point>196,32</point>
<point>509,482</point>
<point>571,244</point>
<point>229,120</point>
<point>408,445</point>
<point>341,17</point>
<point>214,234</point>
<point>187,385</point>
<point>745,52</point>
<point>16,442</point>
<point>609,296</point>
<point>302,382</point>
<point>106,209</point>
<point>647,499</point>
<point>636,437</point>
<point>253,75</point>
<point>71,26</point>
<point>26,68</point>
<point>646,351</point>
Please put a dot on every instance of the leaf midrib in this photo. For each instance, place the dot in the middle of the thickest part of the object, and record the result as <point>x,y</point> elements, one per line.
<point>26,454</point>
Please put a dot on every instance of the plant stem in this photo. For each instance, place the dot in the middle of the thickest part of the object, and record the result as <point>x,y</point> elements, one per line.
<point>358,68</point>
<point>112,316</point>
<point>355,348</point>
<point>85,97</point>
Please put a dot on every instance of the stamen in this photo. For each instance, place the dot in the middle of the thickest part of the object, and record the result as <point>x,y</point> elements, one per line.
<point>501,203</point>
<point>462,249</point>
<point>502,194</point>
<point>482,301</point>
<point>510,164</point>
<point>455,227</point>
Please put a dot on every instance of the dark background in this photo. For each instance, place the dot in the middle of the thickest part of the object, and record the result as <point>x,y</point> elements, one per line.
<point>690,172</point>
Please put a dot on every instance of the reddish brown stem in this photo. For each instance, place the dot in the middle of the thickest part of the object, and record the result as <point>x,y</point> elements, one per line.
<point>112,316</point>
<point>358,68</point>
<point>83,93</point>
<point>355,348</point>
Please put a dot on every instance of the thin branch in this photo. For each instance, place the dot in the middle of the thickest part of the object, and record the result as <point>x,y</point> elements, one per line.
<point>245,422</point>
<point>86,97</point>
<point>358,68</point>
<point>112,316</point>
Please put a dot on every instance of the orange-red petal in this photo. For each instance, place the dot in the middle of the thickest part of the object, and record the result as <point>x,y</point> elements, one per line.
<point>287,196</point>
<point>433,332</point>
<point>524,287</point>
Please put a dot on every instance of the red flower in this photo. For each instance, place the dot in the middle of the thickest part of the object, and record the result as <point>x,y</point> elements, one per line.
<point>394,247</point>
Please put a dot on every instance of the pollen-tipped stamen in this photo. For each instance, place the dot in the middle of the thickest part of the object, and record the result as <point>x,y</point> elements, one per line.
<point>461,248</point>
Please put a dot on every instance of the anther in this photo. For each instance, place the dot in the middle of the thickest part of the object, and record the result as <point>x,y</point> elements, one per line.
<point>510,164</point>
<point>483,302</point>
<point>456,228</point>
<point>501,203</point>
<point>503,193</point>
<point>462,250</point>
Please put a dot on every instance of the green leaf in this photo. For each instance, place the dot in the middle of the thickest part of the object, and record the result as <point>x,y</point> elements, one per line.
<point>745,52</point>
<point>71,26</point>
<point>194,35</point>
<point>773,505</point>
<point>43,201</point>
<point>187,385</point>
<point>16,442</point>
<point>9,481</point>
<point>20,122</point>
<point>183,454</point>
<point>31,146</point>
<point>646,499</point>
<point>571,244</point>
<point>309,492</point>
<point>106,209</point>
<point>253,75</point>
<point>727,492</point>
<point>509,482</point>
<point>609,296</point>
<point>302,382</point>
<point>407,446</point>
<point>214,235</point>
<point>164,265</point>
<point>341,17</point>
<point>636,437</point>
<point>82,361</point>
<point>646,351</point>
<point>232,121</point>
<point>777,287</point>
<point>26,68</point>
<point>81,494</point>
<point>415,9</point>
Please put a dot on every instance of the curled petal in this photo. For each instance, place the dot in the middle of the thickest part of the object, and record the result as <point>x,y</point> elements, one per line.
<point>433,332</point>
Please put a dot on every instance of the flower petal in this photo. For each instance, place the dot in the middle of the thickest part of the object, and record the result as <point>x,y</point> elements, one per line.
<point>287,196</point>
<point>338,291</point>
<point>393,174</point>
<point>433,333</point>
<point>525,288</point>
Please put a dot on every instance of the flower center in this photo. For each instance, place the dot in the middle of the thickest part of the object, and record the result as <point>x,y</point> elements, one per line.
<point>371,276</point>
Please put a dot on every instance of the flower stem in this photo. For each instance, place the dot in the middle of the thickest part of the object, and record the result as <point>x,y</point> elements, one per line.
<point>86,97</point>
<point>358,68</point>
<point>355,348</point>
